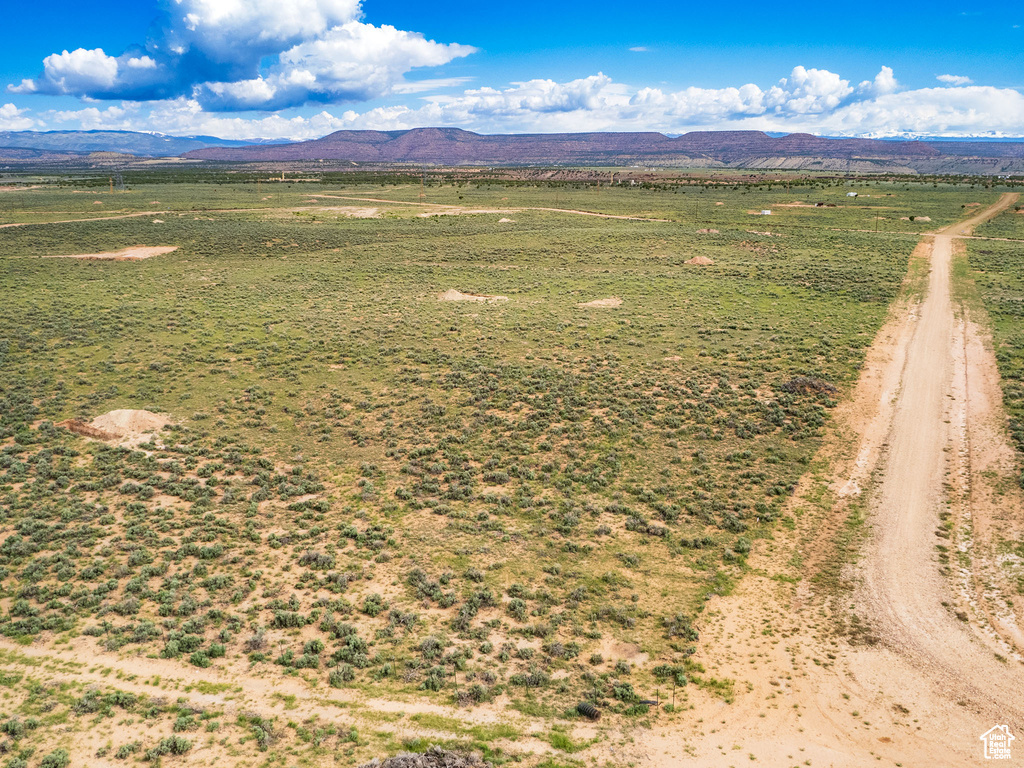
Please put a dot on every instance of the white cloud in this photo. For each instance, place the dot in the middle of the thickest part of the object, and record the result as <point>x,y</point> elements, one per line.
<point>14,119</point>
<point>75,72</point>
<point>954,79</point>
<point>808,100</point>
<point>884,82</point>
<point>141,62</point>
<point>351,62</point>
<point>639,49</point>
<point>217,51</point>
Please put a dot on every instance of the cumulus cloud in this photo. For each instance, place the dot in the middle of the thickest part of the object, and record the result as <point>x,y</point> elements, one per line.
<point>808,100</point>
<point>954,79</point>
<point>14,119</point>
<point>250,55</point>
<point>884,82</point>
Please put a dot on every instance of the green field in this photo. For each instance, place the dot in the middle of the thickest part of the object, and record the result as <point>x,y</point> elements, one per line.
<point>517,504</point>
<point>997,269</point>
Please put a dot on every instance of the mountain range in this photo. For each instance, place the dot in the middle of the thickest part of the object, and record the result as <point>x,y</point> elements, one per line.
<point>454,146</point>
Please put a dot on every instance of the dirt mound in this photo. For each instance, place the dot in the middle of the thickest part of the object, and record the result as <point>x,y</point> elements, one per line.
<point>127,427</point>
<point>435,757</point>
<point>708,232</point>
<point>125,254</point>
<point>453,295</point>
<point>807,385</point>
<point>611,301</point>
<point>80,427</point>
<point>701,261</point>
<point>506,221</point>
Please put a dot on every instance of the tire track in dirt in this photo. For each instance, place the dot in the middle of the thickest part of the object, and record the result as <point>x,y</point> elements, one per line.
<point>903,588</point>
<point>273,694</point>
<point>925,412</point>
<point>76,221</point>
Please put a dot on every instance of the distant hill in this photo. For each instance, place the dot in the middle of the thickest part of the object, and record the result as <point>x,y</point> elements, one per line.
<point>453,146</point>
<point>124,142</point>
<point>739,149</point>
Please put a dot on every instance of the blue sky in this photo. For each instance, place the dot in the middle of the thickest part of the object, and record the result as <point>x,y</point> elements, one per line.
<point>303,68</point>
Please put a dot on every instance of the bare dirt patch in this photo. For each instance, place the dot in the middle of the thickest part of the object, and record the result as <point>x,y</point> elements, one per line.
<point>125,426</point>
<point>350,211</point>
<point>134,253</point>
<point>464,212</point>
<point>454,295</point>
<point>611,301</point>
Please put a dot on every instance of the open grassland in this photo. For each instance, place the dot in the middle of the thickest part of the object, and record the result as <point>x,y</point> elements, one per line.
<point>997,270</point>
<point>372,503</point>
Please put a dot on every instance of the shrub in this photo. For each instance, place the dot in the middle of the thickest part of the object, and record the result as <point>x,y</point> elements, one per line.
<point>344,673</point>
<point>59,758</point>
<point>373,605</point>
<point>200,659</point>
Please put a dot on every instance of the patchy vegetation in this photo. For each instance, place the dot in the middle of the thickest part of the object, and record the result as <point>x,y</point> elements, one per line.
<point>372,493</point>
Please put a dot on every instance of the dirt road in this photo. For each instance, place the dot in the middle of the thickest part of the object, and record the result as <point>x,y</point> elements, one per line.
<point>888,674</point>
<point>930,436</point>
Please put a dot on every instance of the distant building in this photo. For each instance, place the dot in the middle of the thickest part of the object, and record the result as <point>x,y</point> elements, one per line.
<point>766,212</point>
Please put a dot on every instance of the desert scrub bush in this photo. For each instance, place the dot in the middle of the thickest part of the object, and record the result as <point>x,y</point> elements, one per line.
<point>59,758</point>
<point>343,673</point>
<point>373,605</point>
<point>679,625</point>
<point>172,745</point>
<point>624,692</point>
<point>127,750</point>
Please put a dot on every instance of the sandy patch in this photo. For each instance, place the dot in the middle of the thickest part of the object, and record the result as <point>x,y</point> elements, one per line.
<point>700,261</point>
<point>708,232</point>
<point>353,212</point>
<point>614,650</point>
<point>611,301</point>
<point>462,212</point>
<point>506,221</point>
<point>17,188</point>
<point>158,221</point>
<point>672,358</point>
<point>916,218</point>
<point>453,295</point>
<point>125,426</point>
<point>125,254</point>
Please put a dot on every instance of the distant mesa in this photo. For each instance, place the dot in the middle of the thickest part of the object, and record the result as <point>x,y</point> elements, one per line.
<point>753,150</point>
<point>737,149</point>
